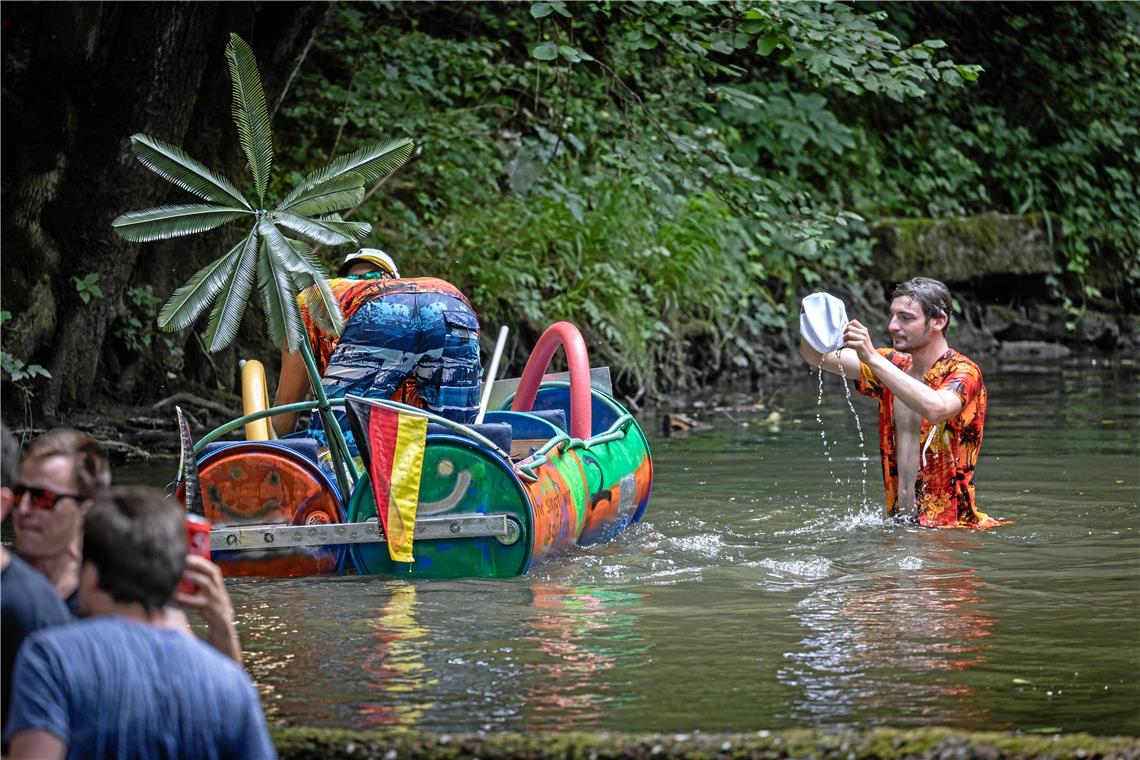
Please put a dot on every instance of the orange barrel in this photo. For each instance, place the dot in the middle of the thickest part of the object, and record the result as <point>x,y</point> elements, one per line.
<point>269,483</point>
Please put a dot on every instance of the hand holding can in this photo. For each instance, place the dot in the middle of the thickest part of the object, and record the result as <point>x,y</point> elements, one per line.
<point>198,544</point>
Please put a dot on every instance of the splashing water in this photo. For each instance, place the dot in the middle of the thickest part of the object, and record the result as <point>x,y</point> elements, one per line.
<point>822,429</point>
<point>858,426</point>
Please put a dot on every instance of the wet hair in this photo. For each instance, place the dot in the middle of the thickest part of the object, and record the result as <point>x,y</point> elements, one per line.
<point>92,470</point>
<point>932,295</point>
<point>136,539</point>
<point>9,457</point>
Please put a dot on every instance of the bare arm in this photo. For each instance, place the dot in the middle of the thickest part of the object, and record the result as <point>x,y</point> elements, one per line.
<point>840,362</point>
<point>36,744</point>
<point>935,406</point>
<point>292,386</point>
<point>212,601</point>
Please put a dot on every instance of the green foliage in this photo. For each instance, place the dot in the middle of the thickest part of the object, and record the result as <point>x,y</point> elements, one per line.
<point>15,369</point>
<point>87,287</point>
<point>136,326</point>
<point>587,161</point>
<point>281,266</point>
<point>673,176</point>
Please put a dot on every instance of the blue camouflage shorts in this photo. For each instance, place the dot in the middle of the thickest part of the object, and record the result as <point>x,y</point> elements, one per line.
<point>432,337</point>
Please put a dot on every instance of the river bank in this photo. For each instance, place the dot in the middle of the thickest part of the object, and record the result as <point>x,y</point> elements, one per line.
<point>878,744</point>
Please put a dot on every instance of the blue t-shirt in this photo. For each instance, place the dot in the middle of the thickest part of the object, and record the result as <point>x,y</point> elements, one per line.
<point>28,602</point>
<point>109,687</point>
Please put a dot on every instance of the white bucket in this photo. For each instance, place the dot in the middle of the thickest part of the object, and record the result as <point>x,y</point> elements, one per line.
<point>822,319</point>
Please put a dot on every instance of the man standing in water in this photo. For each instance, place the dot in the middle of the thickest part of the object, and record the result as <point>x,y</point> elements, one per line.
<point>932,406</point>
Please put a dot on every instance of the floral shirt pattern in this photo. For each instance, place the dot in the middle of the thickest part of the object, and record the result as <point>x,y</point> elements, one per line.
<point>944,486</point>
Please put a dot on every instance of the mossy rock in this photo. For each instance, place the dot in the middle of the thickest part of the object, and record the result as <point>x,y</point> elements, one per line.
<point>802,744</point>
<point>965,248</point>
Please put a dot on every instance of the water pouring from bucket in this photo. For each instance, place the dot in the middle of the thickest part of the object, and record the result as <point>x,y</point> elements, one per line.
<point>823,318</point>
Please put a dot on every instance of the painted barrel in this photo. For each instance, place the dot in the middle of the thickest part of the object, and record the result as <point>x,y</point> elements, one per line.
<point>459,477</point>
<point>618,475</point>
<point>269,483</point>
<point>580,496</point>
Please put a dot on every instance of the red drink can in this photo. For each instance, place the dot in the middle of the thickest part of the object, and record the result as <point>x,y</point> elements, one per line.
<point>197,542</point>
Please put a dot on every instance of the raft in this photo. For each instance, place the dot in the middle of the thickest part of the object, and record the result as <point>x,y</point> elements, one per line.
<point>559,464</point>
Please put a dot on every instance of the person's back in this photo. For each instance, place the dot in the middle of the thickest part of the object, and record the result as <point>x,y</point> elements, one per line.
<point>414,340</point>
<point>110,687</point>
<point>27,604</point>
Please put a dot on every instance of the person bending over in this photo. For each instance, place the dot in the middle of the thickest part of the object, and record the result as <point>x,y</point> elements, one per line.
<point>410,339</point>
<point>932,406</point>
<point>121,683</point>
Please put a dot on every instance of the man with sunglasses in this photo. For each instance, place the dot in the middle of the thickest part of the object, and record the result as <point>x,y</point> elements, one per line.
<point>28,602</point>
<point>120,683</point>
<point>59,475</point>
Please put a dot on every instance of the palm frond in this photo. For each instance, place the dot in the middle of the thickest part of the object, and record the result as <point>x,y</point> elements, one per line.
<point>310,229</point>
<point>322,306</point>
<point>282,318</point>
<point>226,316</point>
<point>173,165</point>
<point>356,230</point>
<point>250,112</point>
<point>316,294</point>
<point>335,186</point>
<point>371,162</point>
<point>173,221</point>
<point>191,299</point>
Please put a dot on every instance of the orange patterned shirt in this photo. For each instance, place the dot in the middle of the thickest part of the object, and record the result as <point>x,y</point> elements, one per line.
<point>944,487</point>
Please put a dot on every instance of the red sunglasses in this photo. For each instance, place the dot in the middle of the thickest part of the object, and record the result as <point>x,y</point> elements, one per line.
<point>42,498</point>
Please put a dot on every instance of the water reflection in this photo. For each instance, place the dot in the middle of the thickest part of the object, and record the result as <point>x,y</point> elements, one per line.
<point>394,664</point>
<point>874,633</point>
<point>578,634</point>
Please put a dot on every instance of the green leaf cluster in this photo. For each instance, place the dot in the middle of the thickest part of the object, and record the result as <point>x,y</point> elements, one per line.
<point>673,176</point>
<point>276,251</point>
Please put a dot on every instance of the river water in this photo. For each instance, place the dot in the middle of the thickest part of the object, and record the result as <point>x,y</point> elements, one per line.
<point>762,591</point>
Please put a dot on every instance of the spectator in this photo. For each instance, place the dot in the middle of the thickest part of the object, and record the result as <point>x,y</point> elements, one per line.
<point>28,602</point>
<point>121,683</point>
<point>60,473</point>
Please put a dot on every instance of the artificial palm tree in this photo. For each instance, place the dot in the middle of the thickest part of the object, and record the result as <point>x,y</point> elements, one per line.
<point>276,251</point>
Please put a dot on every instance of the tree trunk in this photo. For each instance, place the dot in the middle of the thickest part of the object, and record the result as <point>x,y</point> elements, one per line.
<point>79,80</point>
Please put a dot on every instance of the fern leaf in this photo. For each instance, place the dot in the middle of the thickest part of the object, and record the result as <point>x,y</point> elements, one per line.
<point>355,230</point>
<point>371,162</point>
<point>191,299</point>
<point>170,163</point>
<point>335,186</point>
<point>226,317</point>
<point>310,229</point>
<point>173,221</point>
<point>282,318</point>
<point>250,112</point>
<point>316,295</point>
<point>322,306</point>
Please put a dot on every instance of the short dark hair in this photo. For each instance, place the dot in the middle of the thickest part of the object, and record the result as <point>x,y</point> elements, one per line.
<point>92,469</point>
<point>136,539</point>
<point>9,457</point>
<point>932,295</point>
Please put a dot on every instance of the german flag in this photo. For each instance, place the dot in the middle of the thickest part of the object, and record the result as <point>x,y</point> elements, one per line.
<point>392,446</point>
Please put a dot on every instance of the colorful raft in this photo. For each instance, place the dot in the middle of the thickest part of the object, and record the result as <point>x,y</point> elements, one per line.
<point>559,465</point>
